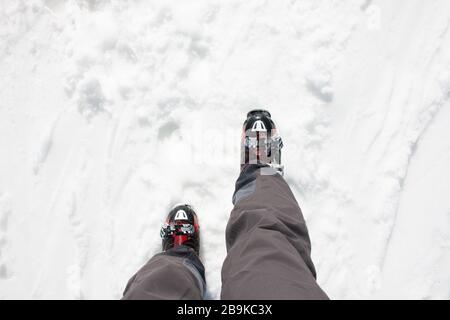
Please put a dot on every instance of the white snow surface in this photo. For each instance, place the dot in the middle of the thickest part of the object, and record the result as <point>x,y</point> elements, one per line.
<point>112,111</point>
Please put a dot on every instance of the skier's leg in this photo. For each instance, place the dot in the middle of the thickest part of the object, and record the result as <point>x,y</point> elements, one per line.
<point>172,275</point>
<point>269,250</point>
<point>177,273</point>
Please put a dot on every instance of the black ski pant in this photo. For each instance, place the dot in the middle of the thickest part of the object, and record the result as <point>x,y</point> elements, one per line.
<point>268,251</point>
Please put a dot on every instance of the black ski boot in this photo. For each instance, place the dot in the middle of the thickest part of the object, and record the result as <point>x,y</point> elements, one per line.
<point>181,229</point>
<point>261,143</point>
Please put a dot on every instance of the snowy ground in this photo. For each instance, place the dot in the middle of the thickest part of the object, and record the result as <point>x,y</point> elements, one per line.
<point>112,111</point>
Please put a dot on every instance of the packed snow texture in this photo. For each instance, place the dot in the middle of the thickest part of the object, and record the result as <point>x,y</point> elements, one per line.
<point>112,111</point>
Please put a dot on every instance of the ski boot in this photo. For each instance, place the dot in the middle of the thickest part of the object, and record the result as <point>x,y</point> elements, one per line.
<point>261,143</point>
<point>181,229</point>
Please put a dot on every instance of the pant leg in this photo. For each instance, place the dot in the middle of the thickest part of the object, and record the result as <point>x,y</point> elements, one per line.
<point>269,250</point>
<point>176,274</point>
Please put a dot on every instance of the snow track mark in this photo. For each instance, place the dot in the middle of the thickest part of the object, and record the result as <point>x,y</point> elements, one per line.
<point>76,271</point>
<point>5,213</point>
